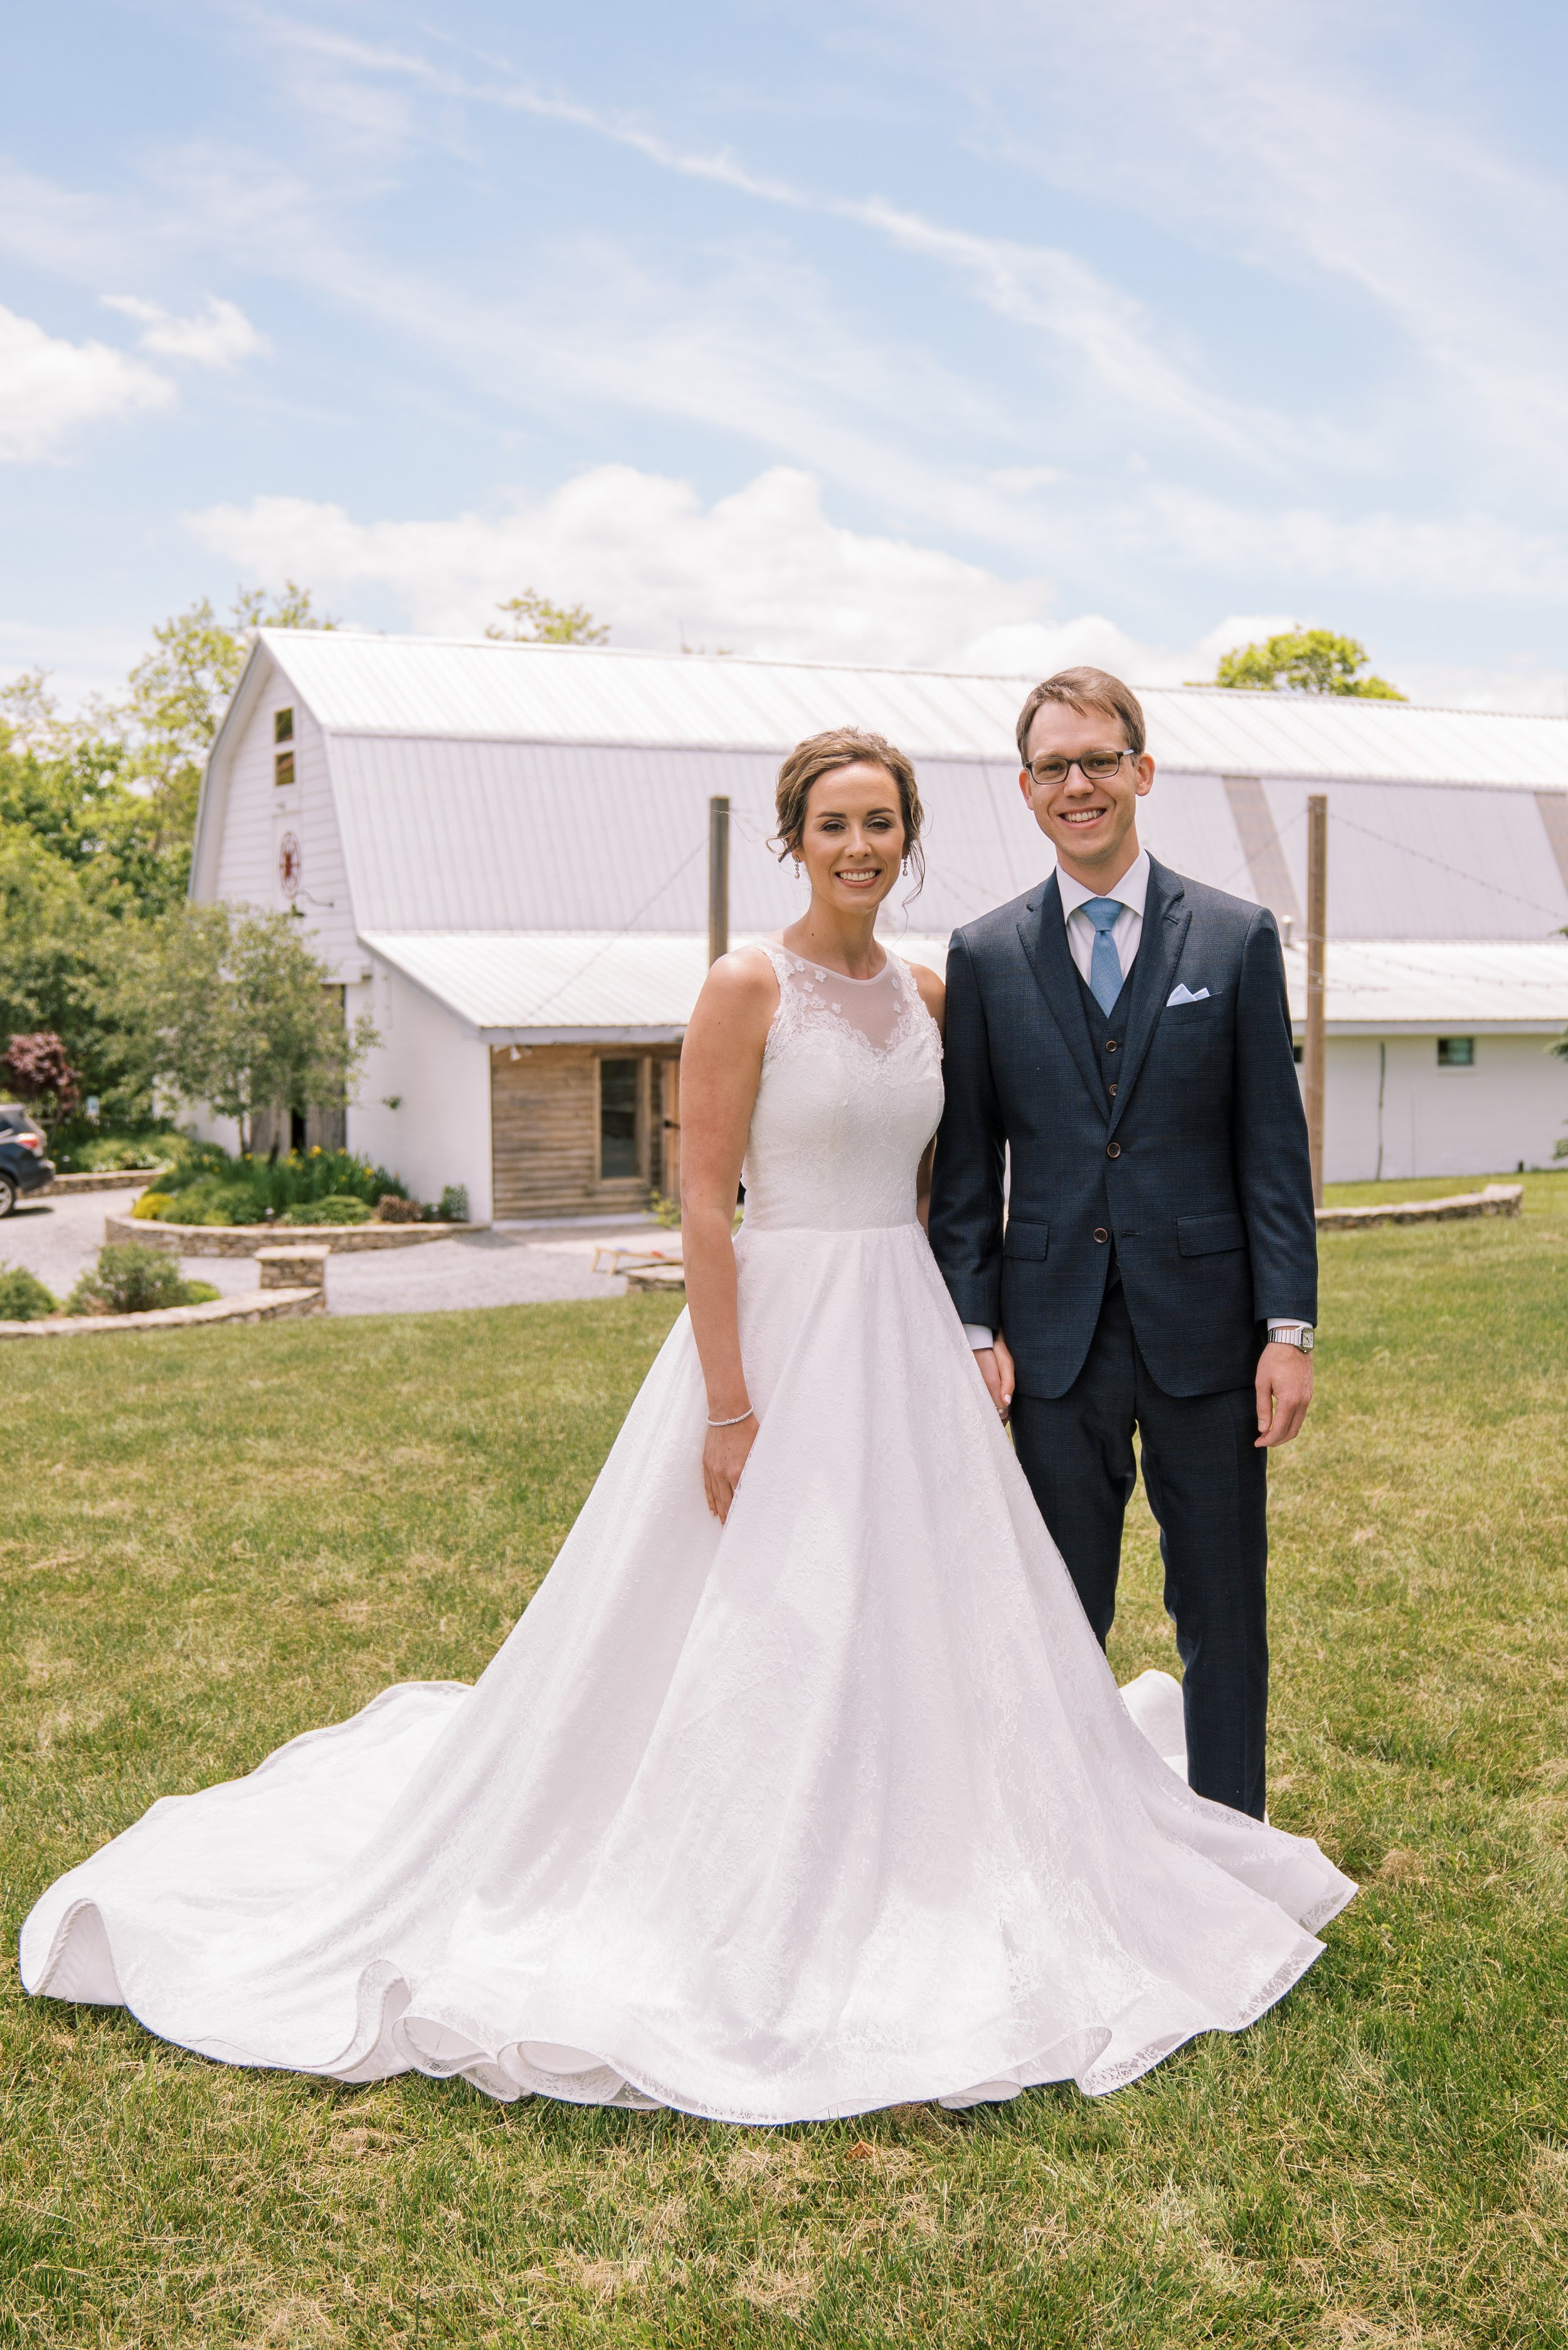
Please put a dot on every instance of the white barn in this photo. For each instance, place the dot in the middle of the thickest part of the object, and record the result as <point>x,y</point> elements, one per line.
<point>500,851</point>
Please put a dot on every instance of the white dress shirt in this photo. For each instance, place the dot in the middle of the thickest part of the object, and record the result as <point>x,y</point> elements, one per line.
<point>1132,891</point>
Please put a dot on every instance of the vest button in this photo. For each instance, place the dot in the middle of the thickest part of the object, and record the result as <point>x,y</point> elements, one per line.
<point>1101,1233</point>
<point>1113,1150</point>
<point>1110,1043</point>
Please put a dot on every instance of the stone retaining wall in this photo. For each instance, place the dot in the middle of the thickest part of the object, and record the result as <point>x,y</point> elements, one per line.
<point>244,1239</point>
<point>123,1178</point>
<point>256,1306</point>
<point>1497,1200</point>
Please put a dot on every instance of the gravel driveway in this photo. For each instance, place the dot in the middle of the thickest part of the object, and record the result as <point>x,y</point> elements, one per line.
<point>519,1264</point>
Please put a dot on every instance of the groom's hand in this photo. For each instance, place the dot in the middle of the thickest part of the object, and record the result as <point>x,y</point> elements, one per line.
<point>1284,1391</point>
<point>996,1370</point>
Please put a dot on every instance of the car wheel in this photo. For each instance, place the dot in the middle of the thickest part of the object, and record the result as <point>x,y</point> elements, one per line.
<point>8,1194</point>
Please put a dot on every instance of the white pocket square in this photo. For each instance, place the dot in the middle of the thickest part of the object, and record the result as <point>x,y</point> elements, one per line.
<point>1184,994</point>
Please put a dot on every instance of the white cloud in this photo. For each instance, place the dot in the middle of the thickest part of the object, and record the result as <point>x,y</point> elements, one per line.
<point>219,336</point>
<point>764,572</point>
<point>49,387</point>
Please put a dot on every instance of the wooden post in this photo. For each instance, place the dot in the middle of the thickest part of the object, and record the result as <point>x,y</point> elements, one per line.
<point>1316,928</point>
<point>718,879</point>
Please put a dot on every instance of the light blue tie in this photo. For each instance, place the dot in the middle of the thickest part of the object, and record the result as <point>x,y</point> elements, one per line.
<point>1104,963</point>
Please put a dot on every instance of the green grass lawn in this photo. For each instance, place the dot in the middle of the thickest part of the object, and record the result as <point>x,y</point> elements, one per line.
<point>213,1540</point>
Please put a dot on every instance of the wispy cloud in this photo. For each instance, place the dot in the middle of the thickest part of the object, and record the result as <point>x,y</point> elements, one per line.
<point>1282,137</point>
<point>218,336</point>
<point>1046,289</point>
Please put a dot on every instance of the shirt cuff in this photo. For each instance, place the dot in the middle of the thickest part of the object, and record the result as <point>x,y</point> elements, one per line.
<point>1287,1322</point>
<point>980,1337</point>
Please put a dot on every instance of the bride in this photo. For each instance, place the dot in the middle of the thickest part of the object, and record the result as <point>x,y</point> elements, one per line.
<point>802,1787</point>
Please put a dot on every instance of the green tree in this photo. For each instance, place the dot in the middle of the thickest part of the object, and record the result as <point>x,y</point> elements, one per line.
<point>531,619</point>
<point>78,802</point>
<point>178,694</point>
<point>1305,660</point>
<point>242,1016</point>
<point>114,790</point>
<point>69,965</point>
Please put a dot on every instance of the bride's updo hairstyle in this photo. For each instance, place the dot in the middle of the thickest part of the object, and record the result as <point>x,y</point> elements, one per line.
<point>824,755</point>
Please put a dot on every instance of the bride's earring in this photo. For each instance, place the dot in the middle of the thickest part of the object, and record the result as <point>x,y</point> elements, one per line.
<point>799,868</point>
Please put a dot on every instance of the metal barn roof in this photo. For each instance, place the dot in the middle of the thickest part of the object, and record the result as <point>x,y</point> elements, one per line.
<point>595,694</point>
<point>608,987</point>
<point>448,836</point>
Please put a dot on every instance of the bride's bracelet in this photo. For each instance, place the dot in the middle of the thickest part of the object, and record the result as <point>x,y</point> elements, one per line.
<point>740,1416</point>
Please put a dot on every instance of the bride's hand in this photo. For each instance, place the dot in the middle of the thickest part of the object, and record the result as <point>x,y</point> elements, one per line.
<point>996,1369</point>
<point>723,1457</point>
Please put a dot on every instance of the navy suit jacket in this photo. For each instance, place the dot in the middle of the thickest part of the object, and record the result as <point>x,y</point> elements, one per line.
<point>1198,1169</point>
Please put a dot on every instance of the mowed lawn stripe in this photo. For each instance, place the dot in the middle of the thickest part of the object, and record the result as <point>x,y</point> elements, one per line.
<point>211,1541</point>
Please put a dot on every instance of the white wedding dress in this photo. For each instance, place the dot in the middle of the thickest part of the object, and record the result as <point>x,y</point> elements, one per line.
<point>832,1807</point>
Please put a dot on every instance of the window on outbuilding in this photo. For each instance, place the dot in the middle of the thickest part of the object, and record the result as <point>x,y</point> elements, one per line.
<point>282,725</point>
<point>1456,1051</point>
<point>618,1121</point>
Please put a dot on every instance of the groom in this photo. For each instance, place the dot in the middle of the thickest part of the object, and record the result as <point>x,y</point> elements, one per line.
<point>1124,1033</point>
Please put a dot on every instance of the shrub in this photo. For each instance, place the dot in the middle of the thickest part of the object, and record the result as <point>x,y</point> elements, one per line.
<point>393,1209</point>
<point>153,1206</point>
<point>454,1205</point>
<point>200,1293</point>
<point>297,1180</point>
<point>104,1158</point>
<point>208,1201</point>
<point>130,1278</point>
<point>336,1210</point>
<point>22,1297</point>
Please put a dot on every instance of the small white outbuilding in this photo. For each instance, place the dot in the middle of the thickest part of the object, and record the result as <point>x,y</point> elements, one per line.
<point>500,853</point>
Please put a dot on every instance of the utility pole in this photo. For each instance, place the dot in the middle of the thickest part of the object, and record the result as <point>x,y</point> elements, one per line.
<point>718,877</point>
<point>1317,926</point>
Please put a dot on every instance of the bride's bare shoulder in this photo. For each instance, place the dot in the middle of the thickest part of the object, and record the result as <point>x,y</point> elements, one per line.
<point>740,988</point>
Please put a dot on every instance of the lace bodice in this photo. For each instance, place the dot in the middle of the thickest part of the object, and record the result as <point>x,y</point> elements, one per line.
<point>850,1094</point>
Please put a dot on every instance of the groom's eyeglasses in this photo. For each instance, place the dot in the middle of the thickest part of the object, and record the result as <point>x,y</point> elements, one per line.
<point>1095,766</point>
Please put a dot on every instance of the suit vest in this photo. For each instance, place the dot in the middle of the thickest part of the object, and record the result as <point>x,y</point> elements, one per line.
<point>1108,1036</point>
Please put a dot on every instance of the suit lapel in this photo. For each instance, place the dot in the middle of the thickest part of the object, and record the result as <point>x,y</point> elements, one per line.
<point>1167,917</point>
<point>1043,930</point>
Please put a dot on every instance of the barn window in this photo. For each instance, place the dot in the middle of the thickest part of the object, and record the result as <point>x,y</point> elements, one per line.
<point>282,725</point>
<point>1456,1051</point>
<point>618,1121</point>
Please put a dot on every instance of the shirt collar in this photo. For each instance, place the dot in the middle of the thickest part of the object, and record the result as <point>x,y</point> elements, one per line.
<point>1132,890</point>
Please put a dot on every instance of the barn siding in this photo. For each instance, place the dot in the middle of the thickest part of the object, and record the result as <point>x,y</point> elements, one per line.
<point>257,816</point>
<point>545,1133</point>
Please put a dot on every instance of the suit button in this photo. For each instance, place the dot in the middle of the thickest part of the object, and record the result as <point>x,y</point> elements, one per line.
<point>1113,1150</point>
<point>1110,1043</point>
<point>1101,1233</point>
<point>1112,1091</point>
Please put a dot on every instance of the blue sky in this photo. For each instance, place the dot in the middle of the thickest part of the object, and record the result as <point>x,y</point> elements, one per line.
<point>988,337</point>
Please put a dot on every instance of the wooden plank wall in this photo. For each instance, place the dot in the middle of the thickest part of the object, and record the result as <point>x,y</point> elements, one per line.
<point>544,1134</point>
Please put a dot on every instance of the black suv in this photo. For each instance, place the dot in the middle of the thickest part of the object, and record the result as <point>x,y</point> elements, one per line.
<point>22,1166</point>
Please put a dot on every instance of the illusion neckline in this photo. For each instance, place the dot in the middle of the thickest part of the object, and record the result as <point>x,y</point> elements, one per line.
<point>826,971</point>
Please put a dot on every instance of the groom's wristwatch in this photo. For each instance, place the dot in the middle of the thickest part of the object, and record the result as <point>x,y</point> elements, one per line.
<point>1291,1334</point>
